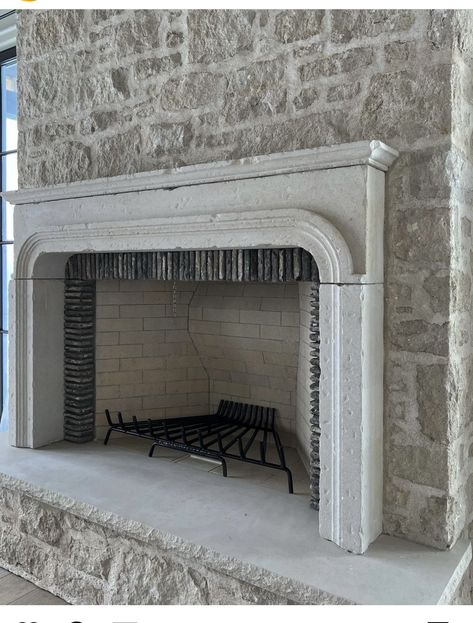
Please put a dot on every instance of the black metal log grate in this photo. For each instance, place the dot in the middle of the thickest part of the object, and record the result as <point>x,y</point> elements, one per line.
<point>234,432</point>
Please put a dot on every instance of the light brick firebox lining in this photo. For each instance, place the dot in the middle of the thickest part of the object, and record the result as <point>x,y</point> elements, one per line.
<point>240,265</point>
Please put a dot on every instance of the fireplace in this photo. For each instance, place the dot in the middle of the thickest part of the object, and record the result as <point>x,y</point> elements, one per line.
<point>155,340</point>
<point>327,201</point>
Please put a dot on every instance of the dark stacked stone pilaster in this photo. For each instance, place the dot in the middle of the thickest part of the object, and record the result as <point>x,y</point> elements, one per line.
<point>79,360</point>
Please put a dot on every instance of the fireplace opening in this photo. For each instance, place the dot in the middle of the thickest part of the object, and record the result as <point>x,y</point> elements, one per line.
<point>166,335</point>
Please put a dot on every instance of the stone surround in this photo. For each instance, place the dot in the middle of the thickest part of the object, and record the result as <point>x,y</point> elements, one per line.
<point>239,205</point>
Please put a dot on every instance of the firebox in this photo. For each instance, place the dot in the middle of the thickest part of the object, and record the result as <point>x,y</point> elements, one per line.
<point>156,340</point>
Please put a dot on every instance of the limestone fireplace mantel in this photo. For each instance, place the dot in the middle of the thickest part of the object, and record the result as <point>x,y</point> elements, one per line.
<point>329,201</point>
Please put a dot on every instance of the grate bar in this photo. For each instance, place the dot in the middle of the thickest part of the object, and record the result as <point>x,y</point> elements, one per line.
<point>204,435</point>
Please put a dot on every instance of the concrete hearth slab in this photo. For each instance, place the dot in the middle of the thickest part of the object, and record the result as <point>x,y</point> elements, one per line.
<point>240,526</point>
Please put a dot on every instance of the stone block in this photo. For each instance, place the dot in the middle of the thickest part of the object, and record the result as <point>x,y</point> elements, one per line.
<point>297,25</point>
<point>50,132</point>
<point>193,90</point>
<point>440,31</point>
<point>104,87</point>
<point>462,291</point>
<point>119,154</point>
<point>167,139</point>
<point>342,92</point>
<point>138,34</point>
<point>425,465</point>
<point>152,67</point>
<point>100,15</point>
<point>174,39</point>
<point>422,235</point>
<point>437,286</point>
<point>428,176</point>
<point>42,522</point>
<point>52,29</point>
<point>432,401</point>
<point>258,89</point>
<point>420,336</point>
<point>433,519</point>
<point>67,162</point>
<point>344,62</point>
<point>399,51</point>
<point>306,98</point>
<point>215,35</point>
<point>408,104</point>
<point>350,25</point>
<point>99,121</point>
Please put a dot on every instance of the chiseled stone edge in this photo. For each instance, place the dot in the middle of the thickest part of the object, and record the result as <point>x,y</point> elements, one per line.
<point>458,575</point>
<point>249,573</point>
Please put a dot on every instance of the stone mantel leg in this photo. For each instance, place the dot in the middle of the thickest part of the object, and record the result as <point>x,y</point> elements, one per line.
<point>37,344</point>
<point>351,414</point>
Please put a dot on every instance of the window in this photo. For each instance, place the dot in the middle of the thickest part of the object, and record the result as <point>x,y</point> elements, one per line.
<point>8,181</point>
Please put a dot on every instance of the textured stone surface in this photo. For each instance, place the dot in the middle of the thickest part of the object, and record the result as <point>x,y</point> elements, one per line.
<point>431,384</point>
<point>336,76</point>
<point>81,554</point>
<point>217,35</point>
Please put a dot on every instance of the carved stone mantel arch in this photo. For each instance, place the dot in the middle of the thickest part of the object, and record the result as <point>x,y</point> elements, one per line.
<point>329,201</point>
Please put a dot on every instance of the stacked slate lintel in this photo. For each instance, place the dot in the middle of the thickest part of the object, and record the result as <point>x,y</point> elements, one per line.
<point>258,265</point>
<point>79,360</point>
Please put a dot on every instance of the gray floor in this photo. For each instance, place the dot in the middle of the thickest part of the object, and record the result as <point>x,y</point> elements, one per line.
<point>248,516</point>
<point>15,591</point>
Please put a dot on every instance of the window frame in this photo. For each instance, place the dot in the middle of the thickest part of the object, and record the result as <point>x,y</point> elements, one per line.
<point>6,56</point>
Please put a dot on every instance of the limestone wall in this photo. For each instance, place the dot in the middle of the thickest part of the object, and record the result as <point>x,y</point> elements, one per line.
<point>108,92</point>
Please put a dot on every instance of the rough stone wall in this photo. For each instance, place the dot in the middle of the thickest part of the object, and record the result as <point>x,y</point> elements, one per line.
<point>461,338</point>
<point>127,563</point>
<point>108,92</point>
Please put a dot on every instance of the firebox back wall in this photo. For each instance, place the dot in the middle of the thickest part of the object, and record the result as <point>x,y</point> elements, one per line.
<point>163,354</point>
